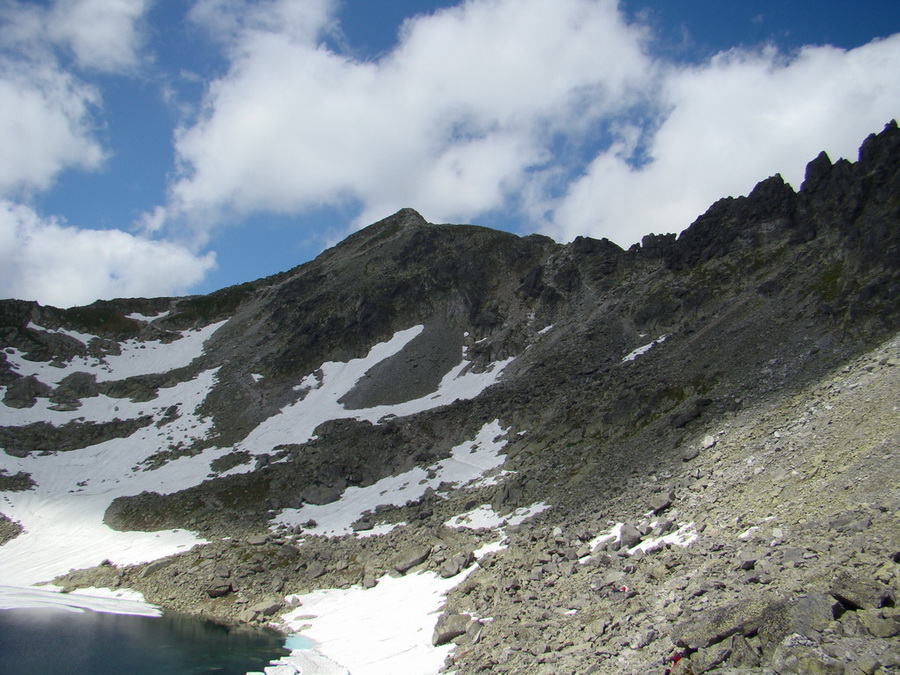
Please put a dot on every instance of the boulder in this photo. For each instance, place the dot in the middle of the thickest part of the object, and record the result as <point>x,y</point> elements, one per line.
<point>660,502</point>
<point>410,557</point>
<point>716,624</point>
<point>267,607</point>
<point>796,655</point>
<point>806,616</point>
<point>449,627</point>
<point>320,494</point>
<point>456,564</point>
<point>218,590</point>
<point>856,593</point>
<point>315,569</point>
<point>629,536</point>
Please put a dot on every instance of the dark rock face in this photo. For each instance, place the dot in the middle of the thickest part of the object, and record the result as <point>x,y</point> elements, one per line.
<point>44,437</point>
<point>741,377</point>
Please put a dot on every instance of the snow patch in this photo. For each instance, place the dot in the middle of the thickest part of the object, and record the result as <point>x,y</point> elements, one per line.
<point>467,462</point>
<point>136,357</point>
<point>746,534</point>
<point>683,535</point>
<point>383,630</point>
<point>333,380</point>
<point>485,517</point>
<point>491,547</point>
<point>63,514</point>
<point>643,350</point>
<point>93,599</point>
<point>137,316</point>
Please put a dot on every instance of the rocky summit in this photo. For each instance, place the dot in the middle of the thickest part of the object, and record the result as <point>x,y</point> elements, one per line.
<point>481,452</point>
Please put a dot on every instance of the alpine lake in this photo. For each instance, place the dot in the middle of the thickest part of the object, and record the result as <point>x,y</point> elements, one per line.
<point>52,641</point>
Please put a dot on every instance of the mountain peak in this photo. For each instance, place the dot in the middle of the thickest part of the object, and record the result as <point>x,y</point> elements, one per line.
<point>446,388</point>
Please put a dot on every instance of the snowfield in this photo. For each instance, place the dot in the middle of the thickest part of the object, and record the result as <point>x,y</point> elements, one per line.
<point>62,515</point>
<point>378,631</point>
<point>85,599</point>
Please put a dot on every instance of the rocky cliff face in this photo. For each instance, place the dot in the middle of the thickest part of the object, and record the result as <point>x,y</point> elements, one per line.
<point>688,447</point>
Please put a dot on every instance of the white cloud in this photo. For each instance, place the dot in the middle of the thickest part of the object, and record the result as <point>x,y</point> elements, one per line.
<point>45,126</point>
<point>101,35</point>
<point>104,35</point>
<point>732,122</point>
<point>48,125</point>
<point>452,121</point>
<point>552,111</point>
<point>56,264</point>
<point>47,118</point>
<point>469,112</point>
<point>233,21</point>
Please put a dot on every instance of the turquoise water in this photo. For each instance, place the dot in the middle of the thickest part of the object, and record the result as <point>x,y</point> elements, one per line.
<point>298,642</point>
<point>54,642</point>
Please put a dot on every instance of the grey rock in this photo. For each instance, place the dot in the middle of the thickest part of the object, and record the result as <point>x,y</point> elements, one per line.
<point>660,502</point>
<point>449,627</point>
<point>267,607</point>
<point>856,593</point>
<point>716,624</point>
<point>218,590</point>
<point>155,566</point>
<point>797,655</point>
<point>410,557</point>
<point>315,569</point>
<point>320,494</point>
<point>880,623</point>
<point>806,616</point>
<point>456,564</point>
<point>629,536</point>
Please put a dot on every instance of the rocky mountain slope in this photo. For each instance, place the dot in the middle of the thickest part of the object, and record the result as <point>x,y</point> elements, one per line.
<point>681,456</point>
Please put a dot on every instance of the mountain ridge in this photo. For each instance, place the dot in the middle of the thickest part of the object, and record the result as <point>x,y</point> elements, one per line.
<point>617,379</point>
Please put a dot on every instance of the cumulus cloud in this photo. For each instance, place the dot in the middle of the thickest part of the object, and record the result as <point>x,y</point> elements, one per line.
<point>48,116</point>
<point>45,123</point>
<point>48,123</point>
<point>556,110</point>
<point>232,22</point>
<point>731,122</point>
<point>46,260</point>
<point>552,113</point>
<point>454,120</point>
<point>102,34</point>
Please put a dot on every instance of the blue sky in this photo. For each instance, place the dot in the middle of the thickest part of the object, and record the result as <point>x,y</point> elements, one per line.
<point>179,146</point>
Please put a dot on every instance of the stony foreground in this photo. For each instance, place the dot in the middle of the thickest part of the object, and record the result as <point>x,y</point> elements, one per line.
<point>794,568</point>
